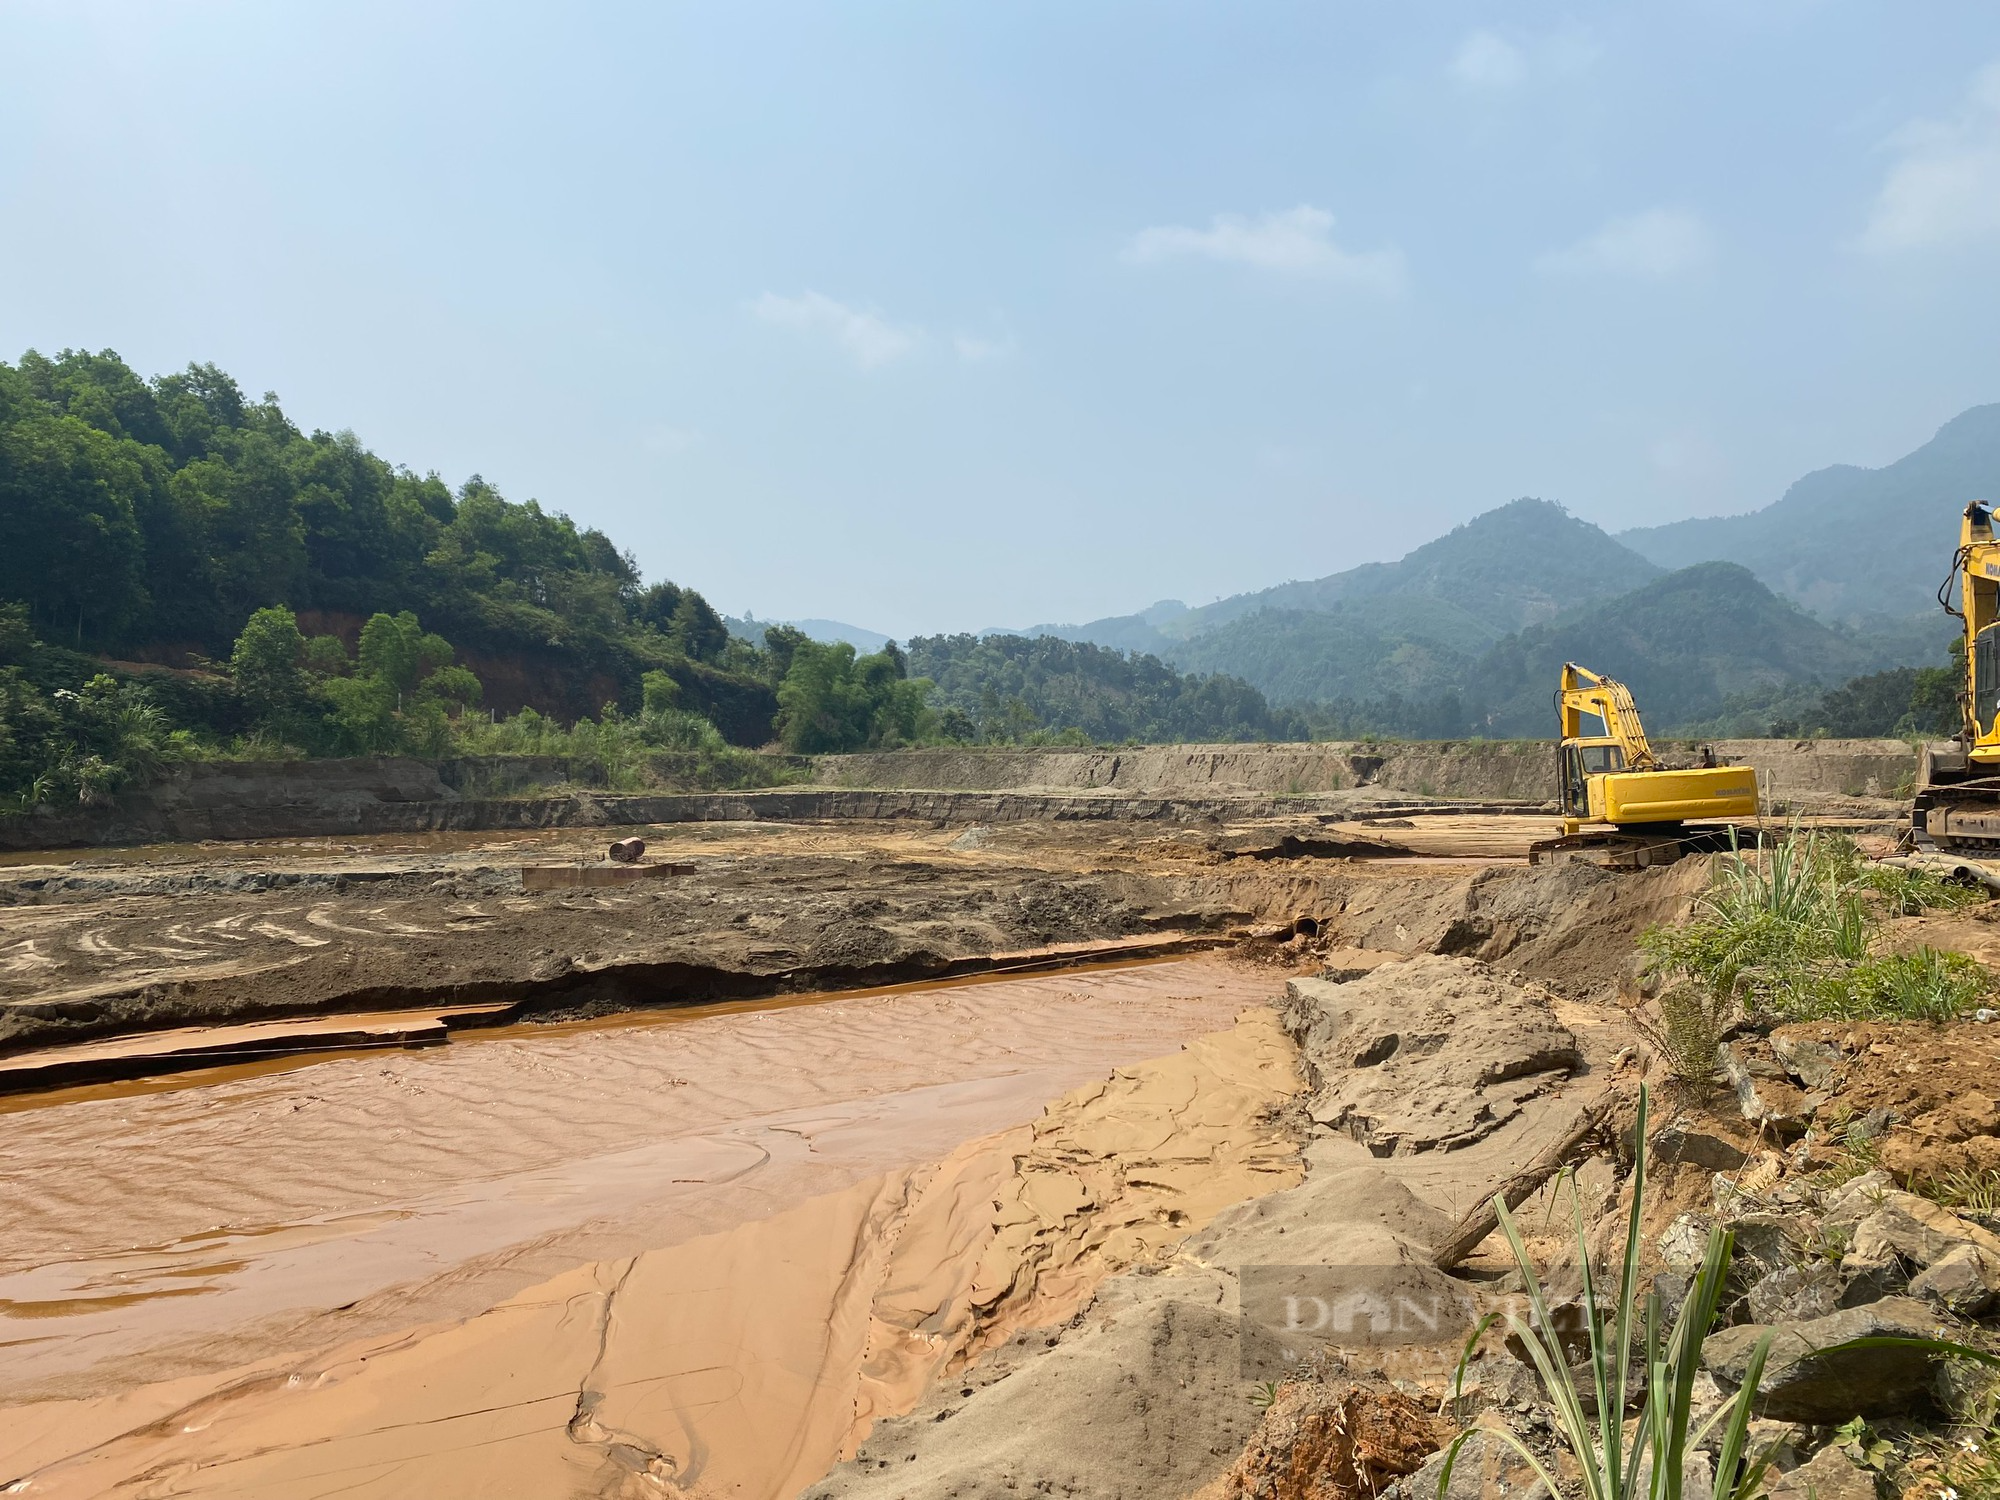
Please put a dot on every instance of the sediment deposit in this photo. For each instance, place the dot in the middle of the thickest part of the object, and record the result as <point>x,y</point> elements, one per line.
<point>407,1178</point>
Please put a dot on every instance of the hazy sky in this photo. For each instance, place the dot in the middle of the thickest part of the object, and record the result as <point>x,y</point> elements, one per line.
<point>943,316</point>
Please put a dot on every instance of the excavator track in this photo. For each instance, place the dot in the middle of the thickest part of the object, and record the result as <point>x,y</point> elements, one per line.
<point>1956,805</point>
<point>1617,849</point>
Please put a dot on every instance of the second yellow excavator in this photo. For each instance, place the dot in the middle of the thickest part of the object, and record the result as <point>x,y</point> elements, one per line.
<point>1620,806</point>
<point>1957,803</point>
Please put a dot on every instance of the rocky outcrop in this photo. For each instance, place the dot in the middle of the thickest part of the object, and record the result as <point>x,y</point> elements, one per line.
<point>1427,1055</point>
<point>1808,1378</point>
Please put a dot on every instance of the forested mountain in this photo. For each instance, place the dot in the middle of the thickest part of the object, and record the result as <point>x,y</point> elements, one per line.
<point>1854,544</point>
<point>1507,568</point>
<point>1683,644</point>
<point>1510,567</point>
<point>1006,687</point>
<point>1355,650</point>
<point>751,629</point>
<point>149,519</point>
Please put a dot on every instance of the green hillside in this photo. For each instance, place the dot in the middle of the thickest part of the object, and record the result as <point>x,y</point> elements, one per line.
<point>1512,566</point>
<point>1867,546</point>
<point>148,519</point>
<point>1009,687</point>
<point>1408,647</point>
<point>1684,644</point>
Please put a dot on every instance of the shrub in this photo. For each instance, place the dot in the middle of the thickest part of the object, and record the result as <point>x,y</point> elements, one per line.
<point>1785,933</point>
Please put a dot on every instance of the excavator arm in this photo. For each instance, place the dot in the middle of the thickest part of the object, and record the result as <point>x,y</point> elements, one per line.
<point>1584,692</point>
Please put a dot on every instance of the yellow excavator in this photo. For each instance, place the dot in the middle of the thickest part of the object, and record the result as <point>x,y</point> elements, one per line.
<point>1620,806</point>
<point>1957,802</point>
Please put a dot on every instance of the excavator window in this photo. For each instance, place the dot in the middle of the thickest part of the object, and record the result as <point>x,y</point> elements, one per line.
<point>1580,763</point>
<point>1986,677</point>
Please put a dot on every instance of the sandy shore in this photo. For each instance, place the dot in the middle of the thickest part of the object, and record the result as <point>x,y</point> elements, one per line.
<point>793,1209</point>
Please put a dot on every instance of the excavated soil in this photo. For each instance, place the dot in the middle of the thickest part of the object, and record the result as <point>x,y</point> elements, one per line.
<point>212,934</point>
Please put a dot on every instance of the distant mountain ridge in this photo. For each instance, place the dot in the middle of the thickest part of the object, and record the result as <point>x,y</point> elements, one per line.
<point>1849,543</point>
<point>1465,633</point>
<point>1683,643</point>
<point>750,628</point>
<point>1525,561</point>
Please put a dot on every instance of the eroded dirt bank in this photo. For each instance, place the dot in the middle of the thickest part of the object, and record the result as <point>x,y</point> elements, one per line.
<point>1172,783</point>
<point>229,933</point>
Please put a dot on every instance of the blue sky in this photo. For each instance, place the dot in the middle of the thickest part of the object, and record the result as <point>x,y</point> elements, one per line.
<point>934,317</point>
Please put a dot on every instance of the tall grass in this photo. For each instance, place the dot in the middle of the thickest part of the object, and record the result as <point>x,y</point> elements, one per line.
<point>1790,933</point>
<point>1651,1461</point>
<point>662,746</point>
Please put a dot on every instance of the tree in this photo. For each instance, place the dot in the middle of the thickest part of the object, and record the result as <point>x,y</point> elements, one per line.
<point>74,552</point>
<point>697,630</point>
<point>396,649</point>
<point>268,665</point>
<point>831,700</point>
<point>781,644</point>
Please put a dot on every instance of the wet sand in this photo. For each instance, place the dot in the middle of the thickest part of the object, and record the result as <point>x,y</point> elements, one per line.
<point>164,1240</point>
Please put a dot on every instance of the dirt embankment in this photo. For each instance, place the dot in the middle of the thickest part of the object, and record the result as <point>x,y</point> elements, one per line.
<point>1168,783</point>
<point>1797,772</point>
<point>236,933</point>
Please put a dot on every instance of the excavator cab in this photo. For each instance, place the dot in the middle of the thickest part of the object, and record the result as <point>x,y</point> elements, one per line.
<point>1581,760</point>
<point>1986,683</point>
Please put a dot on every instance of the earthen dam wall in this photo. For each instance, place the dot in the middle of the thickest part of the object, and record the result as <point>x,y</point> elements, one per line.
<point>322,798</point>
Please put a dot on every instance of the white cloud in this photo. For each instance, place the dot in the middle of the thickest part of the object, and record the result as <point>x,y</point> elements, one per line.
<point>1492,63</point>
<point>1944,190</point>
<point>869,338</point>
<point>1489,61</point>
<point>1298,241</point>
<point>1660,242</point>
<point>975,350</point>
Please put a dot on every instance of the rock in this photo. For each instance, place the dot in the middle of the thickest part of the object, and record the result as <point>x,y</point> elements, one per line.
<point>1807,1380</point>
<point>1917,1230</point>
<point>1965,1280</point>
<point>1768,1103</point>
<point>1871,1126</point>
<point>1672,1288</point>
<point>1870,1280</point>
<point>1811,1063</point>
<point>1486,1469</point>
<point>1792,1294</point>
<point>1762,1243</point>
<point>1779,1442</point>
<point>1684,1243</point>
<point>978,836</point>
<point>1429,1054</point>
<point>1697,1474</point>
<point>1855,1200</point>
<point>1681,1141</point>
<point>1828,1475</point>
